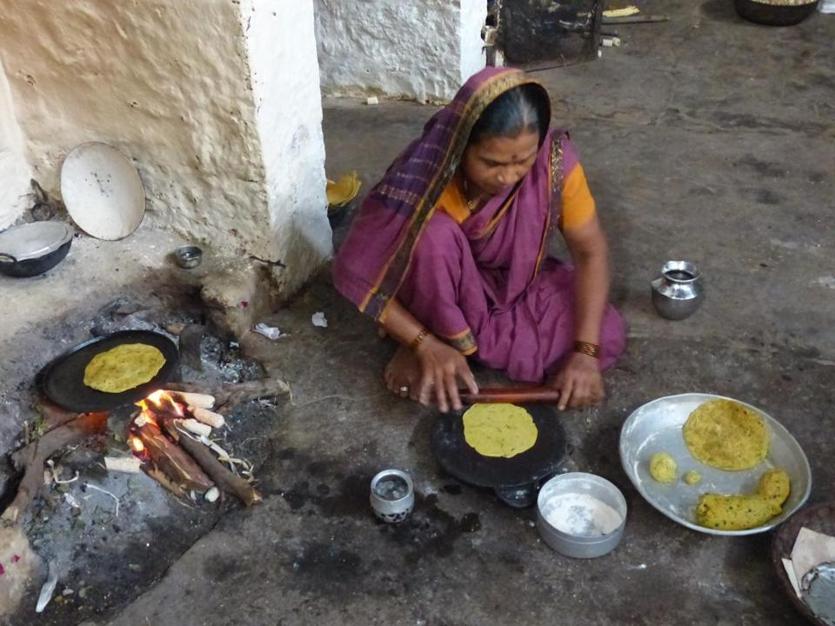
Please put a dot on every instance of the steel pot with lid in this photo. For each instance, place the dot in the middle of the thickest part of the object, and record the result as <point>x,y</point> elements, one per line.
<point>32,249</point>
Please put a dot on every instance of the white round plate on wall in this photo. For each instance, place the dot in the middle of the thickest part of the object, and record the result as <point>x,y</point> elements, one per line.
<point>102,191</point>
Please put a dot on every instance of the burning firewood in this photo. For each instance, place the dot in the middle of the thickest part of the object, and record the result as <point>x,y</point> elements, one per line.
<point>170,458</point>
<point>223,478</point>
<point>199,400</point>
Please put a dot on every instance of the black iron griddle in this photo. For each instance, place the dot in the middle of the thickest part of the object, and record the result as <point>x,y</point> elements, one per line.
<point>515,480</point>
<point>62,381</point>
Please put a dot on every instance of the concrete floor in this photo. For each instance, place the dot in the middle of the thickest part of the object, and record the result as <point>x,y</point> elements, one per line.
<point>704,137</point>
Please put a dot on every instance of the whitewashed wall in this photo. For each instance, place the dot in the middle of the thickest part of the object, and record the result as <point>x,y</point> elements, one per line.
<point>419,49</point>
<point>288,109</point>
<point>14,169</point>
<point>169,83</point>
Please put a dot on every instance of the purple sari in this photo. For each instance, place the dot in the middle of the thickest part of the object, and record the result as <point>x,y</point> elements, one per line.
<point>484,285</point>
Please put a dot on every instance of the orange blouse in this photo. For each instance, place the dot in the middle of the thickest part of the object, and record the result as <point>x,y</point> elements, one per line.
<point>578,206</point>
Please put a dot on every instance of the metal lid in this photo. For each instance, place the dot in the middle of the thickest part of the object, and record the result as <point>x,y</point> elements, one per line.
<point>34,240</point>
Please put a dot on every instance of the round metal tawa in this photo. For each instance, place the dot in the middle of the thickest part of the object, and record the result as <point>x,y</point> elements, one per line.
<point>516,479</point>
<point>62,381</point>
<point>657,427</point>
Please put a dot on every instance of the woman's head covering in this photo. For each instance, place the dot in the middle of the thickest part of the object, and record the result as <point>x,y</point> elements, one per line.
<point>374,257</point>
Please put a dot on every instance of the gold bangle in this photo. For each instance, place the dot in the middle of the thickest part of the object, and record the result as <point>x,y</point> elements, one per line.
<point>418,339</point>
<point>590,349</point>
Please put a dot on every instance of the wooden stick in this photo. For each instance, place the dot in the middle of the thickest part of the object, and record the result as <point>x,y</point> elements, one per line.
<point>198,428</point>
<point>223,478</point>
<point>513,395</point>
<point>126,464</point>
<point>215,420</point>
<point>199,400</point>
<point>172,460</point>
<point>32,458</point>
<point>236,393</point>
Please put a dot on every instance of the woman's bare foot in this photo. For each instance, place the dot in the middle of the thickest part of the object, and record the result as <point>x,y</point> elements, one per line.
<point>402,374</point>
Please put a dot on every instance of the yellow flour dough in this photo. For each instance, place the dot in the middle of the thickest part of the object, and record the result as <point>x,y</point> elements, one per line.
<point>726,435</point>
<point>746,511</point>
<point>123,367</point>
<point>663,467</point>
<point>499,430</point>
<point>692,477</point>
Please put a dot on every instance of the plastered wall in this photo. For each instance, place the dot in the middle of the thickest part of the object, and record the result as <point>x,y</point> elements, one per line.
<point>421,49</point>
<point>182,88</point>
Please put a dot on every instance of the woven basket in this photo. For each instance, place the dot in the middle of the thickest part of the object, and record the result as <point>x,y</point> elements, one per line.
<point>819,517</point>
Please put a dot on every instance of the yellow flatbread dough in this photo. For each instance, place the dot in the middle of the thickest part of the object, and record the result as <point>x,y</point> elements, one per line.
<point>499,430</point>
<point>746,511</point>
<point>726,435</point>
<point>123,367</point>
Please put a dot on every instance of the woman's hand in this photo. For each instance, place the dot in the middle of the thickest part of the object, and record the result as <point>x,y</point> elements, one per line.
<point>441,369</point>
<point>579,382</point>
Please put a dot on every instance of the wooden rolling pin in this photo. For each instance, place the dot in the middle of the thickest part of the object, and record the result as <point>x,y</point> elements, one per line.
<point>513,395</point>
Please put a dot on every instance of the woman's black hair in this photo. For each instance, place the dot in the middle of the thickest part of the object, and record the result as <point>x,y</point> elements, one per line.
<point>525,108</point>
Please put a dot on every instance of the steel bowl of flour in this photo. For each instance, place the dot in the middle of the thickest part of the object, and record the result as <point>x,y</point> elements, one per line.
<point>581,515</point>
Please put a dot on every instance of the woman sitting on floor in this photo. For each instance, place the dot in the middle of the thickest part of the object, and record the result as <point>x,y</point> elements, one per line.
<point>449,252</point>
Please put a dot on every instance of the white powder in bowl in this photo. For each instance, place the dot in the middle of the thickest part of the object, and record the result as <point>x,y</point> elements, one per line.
<point>581,515</point>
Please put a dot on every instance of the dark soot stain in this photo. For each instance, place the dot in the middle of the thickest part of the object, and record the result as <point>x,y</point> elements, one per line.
<point>327,563</point>
<point>470,523</point>
<point>429,531</point>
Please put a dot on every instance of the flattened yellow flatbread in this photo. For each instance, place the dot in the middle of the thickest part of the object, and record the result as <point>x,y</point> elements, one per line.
<point>123,367</point>
<point>499,430</point>
<point>726,435</point>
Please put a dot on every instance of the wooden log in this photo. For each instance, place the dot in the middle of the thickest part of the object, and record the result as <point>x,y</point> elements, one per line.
<point>53,415</point>
<point>126,464</point>
<point>172,460</point>
<point>215,420</point>
<point>200,400</point>
<point>32,458</point>
<point>235,393</point>
<point>224,479</point>
<point>198,428</point>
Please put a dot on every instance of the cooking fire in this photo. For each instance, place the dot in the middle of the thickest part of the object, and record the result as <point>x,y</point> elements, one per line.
<point>172,435</point>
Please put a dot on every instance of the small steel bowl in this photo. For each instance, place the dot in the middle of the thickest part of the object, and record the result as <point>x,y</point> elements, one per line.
<point>579,546</point>
<point>392,496</point>
<point>188,257</point>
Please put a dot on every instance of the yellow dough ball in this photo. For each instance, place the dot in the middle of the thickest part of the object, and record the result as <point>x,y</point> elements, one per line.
<point>692,478</point>
<point>663,467</point>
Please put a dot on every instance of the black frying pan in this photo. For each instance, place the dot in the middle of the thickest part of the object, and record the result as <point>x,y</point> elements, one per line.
<point>515,480</point>
<point>62,381</point>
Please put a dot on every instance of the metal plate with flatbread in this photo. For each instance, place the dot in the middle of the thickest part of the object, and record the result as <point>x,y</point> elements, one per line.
<point>657,427</point>
<point>62,381</point>
<point>461,461</point>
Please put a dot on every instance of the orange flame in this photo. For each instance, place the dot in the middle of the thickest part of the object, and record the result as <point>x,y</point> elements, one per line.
<point>136,444</point>
<point>160,399</point>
